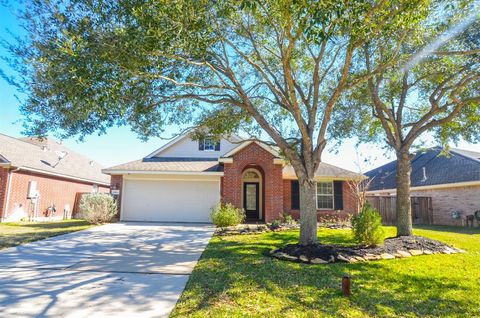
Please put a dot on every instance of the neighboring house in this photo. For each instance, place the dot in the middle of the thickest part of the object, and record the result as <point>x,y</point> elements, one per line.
<point>36,175</point>
<point>183,180</point>
<point>452,181</point>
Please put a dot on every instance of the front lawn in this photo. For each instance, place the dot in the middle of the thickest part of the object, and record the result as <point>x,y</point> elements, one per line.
<point>12,234</point>
<point>236,278</point>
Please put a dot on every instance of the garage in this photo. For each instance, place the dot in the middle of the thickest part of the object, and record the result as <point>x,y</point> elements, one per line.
<point>169,200</point>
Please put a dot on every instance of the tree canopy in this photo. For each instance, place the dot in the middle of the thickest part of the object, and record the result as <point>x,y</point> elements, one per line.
<point>273,66</point>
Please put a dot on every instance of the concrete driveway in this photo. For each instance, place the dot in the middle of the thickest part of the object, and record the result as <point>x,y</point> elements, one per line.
<point>123,269</point>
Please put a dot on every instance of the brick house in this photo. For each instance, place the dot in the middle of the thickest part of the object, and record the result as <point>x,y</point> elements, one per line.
<point>183,180</point>
<point>36,175</point>
<point>452,181</point>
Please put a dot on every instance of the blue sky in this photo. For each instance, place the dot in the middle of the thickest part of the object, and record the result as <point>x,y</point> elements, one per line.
<point>120,145</point>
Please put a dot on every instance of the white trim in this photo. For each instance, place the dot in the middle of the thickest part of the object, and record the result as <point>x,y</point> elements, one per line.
<point>246,143</point>
<point>63,176</point>
<point>171,177</point>
<point>5,164</point>
<point>431,187</point>
<point>333,196</point>
<point>327,178</point>
<point>278,161</point>
<point>260,190</point>
<point>9,188</point>
<point>122,195</point>
<point>225,160</point>
<point>194,173</point>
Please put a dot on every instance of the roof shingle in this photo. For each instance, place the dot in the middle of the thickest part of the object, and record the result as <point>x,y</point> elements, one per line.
<point>42,155</point>
<point>430,167</point>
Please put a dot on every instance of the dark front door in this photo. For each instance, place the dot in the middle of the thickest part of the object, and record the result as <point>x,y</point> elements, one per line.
<point>250,200</point>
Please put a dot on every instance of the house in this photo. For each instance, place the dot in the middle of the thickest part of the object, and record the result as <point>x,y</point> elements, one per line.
<point>184,179</point>
<point>452,181</point>
<point>41,178</point>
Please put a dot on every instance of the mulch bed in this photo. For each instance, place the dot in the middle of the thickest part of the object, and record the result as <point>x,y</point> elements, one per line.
<point>397,247</point>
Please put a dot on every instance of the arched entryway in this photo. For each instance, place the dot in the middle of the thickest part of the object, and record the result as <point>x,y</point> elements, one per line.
<point>252,194</point>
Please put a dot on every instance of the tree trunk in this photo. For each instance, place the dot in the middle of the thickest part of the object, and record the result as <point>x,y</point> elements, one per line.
<point>404,207</point>
<point>308,211</point>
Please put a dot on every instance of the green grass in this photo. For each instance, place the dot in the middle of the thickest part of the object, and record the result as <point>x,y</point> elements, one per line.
<point>236,278</point>
<point>12,234</point>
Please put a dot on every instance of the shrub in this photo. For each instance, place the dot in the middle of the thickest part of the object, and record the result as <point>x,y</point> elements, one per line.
<point>367,227</point>
<point>275,224</point>
<point>97,208</point>
<point>287,218</point>
<point>224,215</point>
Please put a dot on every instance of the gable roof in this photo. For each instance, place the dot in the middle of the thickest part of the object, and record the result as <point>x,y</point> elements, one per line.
<point>244,144</point>
<point>41,156</point>
<point>430,168</point>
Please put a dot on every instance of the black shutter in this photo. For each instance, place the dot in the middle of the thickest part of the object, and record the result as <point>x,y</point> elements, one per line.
<point>295,192</point>
<point>217,146</point>
<point>201,144</point>
<point>338,195</point>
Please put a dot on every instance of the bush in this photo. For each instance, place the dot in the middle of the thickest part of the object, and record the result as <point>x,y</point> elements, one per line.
<point>287,218</point>
<point>367,227</point>
<point>275,224</point>
<point>224,215</point>
<point>97,208</point>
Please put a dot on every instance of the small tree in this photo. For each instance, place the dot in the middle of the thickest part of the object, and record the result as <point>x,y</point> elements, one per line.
<point>358,191</point>
<point>274,66</point>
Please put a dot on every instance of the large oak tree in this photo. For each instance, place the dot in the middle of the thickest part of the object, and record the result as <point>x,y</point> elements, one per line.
<point>433,88</point>
<point>273,66</point>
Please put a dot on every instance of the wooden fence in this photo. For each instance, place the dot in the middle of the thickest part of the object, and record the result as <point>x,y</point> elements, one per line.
<point>422,212</point>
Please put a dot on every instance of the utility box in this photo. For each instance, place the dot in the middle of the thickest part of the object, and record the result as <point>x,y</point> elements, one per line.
<point>32,190</point>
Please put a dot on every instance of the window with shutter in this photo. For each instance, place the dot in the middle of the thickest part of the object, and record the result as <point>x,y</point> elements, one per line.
<point>325,195</point>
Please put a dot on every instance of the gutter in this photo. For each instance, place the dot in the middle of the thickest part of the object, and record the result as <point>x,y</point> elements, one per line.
<point>431,187</point>
<point>200,173</point>
<point>9,186</point>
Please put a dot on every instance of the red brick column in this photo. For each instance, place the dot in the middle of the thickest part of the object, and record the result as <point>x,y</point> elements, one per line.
<point>254,156</point>
<point>116,183</point>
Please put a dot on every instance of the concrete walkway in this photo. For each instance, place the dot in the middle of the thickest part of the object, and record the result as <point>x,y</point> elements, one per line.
<point>115,270</point>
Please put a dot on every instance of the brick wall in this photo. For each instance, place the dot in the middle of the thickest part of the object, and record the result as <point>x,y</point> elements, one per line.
<point>254,156</point>
<point>53,190</point>
<point>444,201</point>
<point>116,182</point>
<point>350,205</point>
<point>3,189</point>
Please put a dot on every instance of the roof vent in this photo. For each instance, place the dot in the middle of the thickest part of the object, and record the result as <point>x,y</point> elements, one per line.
<point>44,148</point>
<point>424,170</point>
<point>91,162</point>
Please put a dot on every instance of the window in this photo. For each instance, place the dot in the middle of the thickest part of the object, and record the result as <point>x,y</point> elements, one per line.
<point>208,144</point>
<point>325,195</point>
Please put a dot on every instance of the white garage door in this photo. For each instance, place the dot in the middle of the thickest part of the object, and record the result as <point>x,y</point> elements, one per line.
<point>169,200</point>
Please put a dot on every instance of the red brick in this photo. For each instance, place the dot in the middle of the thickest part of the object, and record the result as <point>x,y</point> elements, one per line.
<point>53,190</point>
<point>254,156</point>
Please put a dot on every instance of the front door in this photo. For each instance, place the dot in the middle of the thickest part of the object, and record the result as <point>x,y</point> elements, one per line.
<point>250,200</point>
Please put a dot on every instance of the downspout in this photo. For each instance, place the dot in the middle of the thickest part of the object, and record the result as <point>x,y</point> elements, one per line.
<point>9,185</point>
